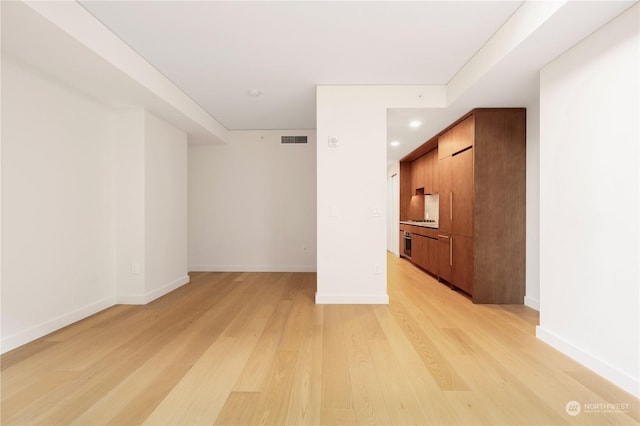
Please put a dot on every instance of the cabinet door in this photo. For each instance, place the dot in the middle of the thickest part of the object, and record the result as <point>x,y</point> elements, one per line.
<point>428,173</point>
<point>435,187</point>
<point>457,138</point>
<point>446,144</point>
<point>462,263</point>
<point>418,246</point>
<point>444,173</point>
<point>461,195</point>
<point>417,173</point>
<point>443,256</point>
<point>463,134</point>
<point>431,256</point>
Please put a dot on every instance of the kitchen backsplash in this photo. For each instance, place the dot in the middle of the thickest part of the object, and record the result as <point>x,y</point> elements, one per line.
<point>431,207</point>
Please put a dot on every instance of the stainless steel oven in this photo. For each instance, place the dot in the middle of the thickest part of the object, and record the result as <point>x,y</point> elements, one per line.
<point>406,246</point>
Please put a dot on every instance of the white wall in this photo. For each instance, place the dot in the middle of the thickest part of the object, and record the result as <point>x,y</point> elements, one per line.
<point>165,207</point>
<point>351,184</point>
<point>532,290</point>
<point>252,204</point>
<point>589,202</point>
<point>130,205</point>
<point>151,208</point>
<point>57,199</point>
<point>86,194</point>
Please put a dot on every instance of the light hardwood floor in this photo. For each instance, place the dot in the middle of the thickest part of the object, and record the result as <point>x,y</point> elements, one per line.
<point>253,348</point>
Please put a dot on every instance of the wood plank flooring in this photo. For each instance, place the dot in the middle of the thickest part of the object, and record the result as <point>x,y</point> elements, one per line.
<point>253,348</point>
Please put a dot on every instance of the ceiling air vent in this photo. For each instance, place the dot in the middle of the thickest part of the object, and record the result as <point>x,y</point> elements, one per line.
<point>294,139</point>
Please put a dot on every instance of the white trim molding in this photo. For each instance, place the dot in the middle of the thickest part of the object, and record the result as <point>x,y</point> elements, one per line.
<point>532,303</point>
<point>143,299</point>
<point>352,299</point>
<point>592,362</point>
<point>47,327</point>
<point>252,268</point>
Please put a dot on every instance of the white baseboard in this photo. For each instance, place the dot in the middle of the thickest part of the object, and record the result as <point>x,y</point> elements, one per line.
<point>616,376</point>
<point>131,299</point>
<point>143,299</point>
<point>532,303</point>
<point>44,328</point>
<point>252,268</point>
<point>352,299</point>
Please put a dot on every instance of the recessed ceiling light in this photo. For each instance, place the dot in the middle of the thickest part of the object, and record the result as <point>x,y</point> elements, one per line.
<point>415,123</point>
<point>395,143</point>
<point>255,92</point>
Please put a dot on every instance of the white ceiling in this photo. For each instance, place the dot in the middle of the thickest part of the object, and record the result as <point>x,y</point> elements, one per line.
<point>216,51</point>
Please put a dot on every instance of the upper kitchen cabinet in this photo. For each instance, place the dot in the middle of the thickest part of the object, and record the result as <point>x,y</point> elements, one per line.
<point>417,174</point>
<point>457,138</point>
<point>431,177</point>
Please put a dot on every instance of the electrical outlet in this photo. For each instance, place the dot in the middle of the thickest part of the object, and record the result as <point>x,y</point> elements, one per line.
<point>376,211</point>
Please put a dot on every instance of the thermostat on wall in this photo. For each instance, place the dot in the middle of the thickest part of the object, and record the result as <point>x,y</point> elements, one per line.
<point>333,142</point>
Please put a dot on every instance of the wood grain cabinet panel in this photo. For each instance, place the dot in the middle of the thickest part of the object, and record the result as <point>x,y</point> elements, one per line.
<point>457,138</point>
<point>446,144</point>
<point>435,186</point>
<point>461,195</point>
<point>444,172</point>
<point>417,174</point>
<point>463,134</point>
<point>431,172</point>
<point>418,249</point>
<point>462,262</point>
<point>431,256</point>
<point>443,256</point>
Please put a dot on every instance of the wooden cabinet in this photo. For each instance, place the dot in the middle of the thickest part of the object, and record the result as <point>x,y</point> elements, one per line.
<point>417,174</point>
<point>443,256</point>
<point>435,172</point>
<point>424,246</point>
<point>461,194</point>
<point>462,262</point>
<point>454,260</point>
<point>457,138</point>
<point>431,255</point>
<point>418,249</point>
<point>478,170</point>
<point>444,171</point>
<point>431,172</point>
<point>456,193</point>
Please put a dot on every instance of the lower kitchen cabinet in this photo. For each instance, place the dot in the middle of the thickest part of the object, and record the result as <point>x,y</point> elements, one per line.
<point>418,249</point>
<point>431,256</point>
<point>462,262</point>
<point>444,256</point>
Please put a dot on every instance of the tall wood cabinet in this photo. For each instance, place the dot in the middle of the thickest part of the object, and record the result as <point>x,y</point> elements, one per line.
<point>479,174</point>
<point>482,203</point>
